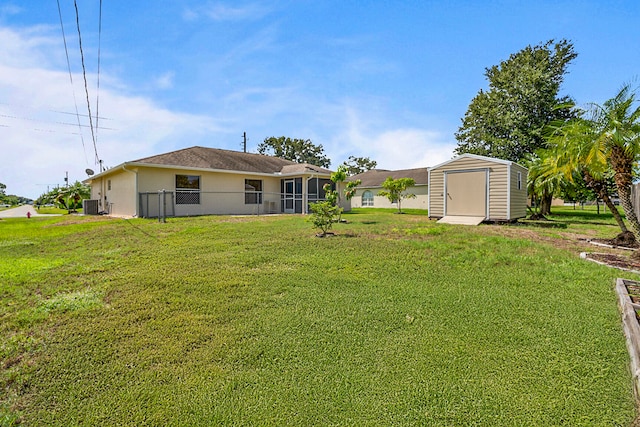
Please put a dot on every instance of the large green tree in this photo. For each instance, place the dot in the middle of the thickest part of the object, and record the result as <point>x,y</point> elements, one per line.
<point>296,150</point>
<point>507,120</point>
<point>355,165</point>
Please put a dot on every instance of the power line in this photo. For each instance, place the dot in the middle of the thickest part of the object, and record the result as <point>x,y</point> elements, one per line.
<point>51,111</point>
<point>98,86</point>
<point>8,116</point>
<point>86,86</point>
<point>75,102</point>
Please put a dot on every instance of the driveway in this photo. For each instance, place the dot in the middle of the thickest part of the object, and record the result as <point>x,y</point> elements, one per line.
<point>21,212</point>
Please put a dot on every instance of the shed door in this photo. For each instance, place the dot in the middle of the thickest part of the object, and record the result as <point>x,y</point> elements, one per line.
<point>466,193</point>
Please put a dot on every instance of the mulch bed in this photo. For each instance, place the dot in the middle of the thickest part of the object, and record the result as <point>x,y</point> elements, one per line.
<point>617,261</point>
<point>630,261</point>
<point>623,240</point>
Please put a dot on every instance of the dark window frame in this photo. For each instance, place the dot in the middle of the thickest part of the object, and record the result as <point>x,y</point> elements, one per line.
<point>253,196</point>
<point>187,189</point>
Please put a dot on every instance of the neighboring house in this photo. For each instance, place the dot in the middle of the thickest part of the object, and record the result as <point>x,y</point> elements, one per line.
<point>476,186</point>
<point>206,181</point>
<point>367,192</point>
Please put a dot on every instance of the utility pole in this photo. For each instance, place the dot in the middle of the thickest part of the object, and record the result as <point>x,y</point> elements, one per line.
<point>244,144</point>
<point>66,179</point>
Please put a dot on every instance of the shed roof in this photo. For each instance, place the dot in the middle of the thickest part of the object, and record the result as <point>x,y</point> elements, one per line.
<point>478,157</point>
<point>375,177</point>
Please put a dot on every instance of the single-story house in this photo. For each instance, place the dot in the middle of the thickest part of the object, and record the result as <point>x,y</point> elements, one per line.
<point>207,181</point>
<point>476,186</point>
<point>366,194</point>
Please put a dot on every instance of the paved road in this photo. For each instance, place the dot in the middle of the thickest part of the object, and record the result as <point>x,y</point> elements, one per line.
<point>21,212</point>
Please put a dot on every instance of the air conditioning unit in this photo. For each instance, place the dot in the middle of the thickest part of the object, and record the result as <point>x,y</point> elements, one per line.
<point>90,207</point>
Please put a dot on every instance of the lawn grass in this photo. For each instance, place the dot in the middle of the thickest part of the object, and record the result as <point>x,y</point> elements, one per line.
<point>396,320</point>
<point>48,210</point>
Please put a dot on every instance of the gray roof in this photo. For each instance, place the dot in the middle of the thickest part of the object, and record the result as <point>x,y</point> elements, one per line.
<point>215,158</point>
<point>375,177</point>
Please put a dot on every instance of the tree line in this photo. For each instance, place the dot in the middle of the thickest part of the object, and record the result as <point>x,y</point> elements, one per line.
<point>305,151</point>
<point>11,199</point>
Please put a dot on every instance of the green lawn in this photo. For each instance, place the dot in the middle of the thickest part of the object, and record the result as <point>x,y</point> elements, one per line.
<point>396,320</point>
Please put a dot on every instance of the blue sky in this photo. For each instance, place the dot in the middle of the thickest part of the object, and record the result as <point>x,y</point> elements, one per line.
<point>390,80</point>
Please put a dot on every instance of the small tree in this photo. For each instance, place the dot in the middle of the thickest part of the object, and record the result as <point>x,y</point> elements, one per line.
<point>350,189</point>
<point>394,190</point>
<point>334,195</point>
<point>337,177</point>
<point>323,216</point>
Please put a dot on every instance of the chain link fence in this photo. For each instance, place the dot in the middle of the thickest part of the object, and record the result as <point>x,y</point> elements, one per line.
<point>162,204</point>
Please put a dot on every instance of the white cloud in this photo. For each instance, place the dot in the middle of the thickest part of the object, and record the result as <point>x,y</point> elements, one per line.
<point>10,9</point>
<point>221,12</point>
<point>39,135</point>
<point>31,47</point>
<point>165,81</point>
<point>391,146</point>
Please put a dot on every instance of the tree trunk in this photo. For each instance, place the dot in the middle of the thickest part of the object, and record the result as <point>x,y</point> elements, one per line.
<point>599,187</point>
<point>545,204</point>
<point>623,167</point>
<point>625,200</point>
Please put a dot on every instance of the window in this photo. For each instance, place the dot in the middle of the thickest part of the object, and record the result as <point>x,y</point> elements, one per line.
<point>187,190</point>
<point>315,188</point>
<point>519,180</point>
<point>367,198</point>
<point>252,191</point>
<point>109,185</point>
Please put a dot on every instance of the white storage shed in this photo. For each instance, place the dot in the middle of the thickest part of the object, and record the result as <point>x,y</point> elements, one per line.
<point>472,188</point>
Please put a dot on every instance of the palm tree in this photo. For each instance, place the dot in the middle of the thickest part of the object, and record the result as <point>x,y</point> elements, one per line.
<point>617,130</point>
<point>544,180</point>
<point>573,152</point>
<point>76,193</point>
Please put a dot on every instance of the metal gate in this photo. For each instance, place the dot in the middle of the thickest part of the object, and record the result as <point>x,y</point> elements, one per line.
<point>159,204</point>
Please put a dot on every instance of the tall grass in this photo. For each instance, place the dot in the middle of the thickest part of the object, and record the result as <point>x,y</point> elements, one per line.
<point>253,321</point>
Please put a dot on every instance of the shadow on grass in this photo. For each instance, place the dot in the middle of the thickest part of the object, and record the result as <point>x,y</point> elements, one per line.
<point>590,223</point>
<point>541,224</point>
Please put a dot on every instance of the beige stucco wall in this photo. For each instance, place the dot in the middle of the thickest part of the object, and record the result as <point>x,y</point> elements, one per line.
<point>220,193</point>
<point>116,192</point>
<point>506,202</point>
<point>419,202</point>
